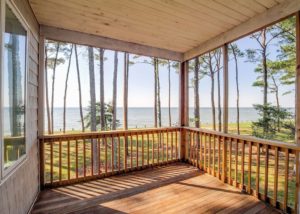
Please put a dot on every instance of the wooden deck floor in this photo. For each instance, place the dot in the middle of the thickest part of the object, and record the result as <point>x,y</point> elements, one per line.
<point>176,188</point>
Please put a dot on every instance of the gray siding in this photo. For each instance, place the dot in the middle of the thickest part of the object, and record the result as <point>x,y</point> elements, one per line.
<point>19,190</point>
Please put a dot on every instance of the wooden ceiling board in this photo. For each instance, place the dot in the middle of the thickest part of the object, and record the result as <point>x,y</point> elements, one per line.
<point>175,25</point>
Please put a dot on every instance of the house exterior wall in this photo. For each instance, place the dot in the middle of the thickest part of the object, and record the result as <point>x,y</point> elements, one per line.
<point>19,189</point>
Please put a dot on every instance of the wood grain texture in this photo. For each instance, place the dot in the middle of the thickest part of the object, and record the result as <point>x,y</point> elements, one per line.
<point>268,17</point>
<point>175,188</point>
<point>172,25</point>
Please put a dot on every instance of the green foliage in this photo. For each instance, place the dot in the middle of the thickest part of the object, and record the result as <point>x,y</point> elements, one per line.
<point>108,114</point>
<point>271,119</point>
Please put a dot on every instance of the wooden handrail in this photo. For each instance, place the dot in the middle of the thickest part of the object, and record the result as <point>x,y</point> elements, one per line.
<point>247,138</point>
<point>106,133</point>
<point>246,152</point>
<point>72,158</point>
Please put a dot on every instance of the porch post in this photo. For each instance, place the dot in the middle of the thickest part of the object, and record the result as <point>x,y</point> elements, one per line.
<point>41,78</point>
<point>225,110</point>
<point>183,105</point>
<point>297,205</point>
<point>225,93</point>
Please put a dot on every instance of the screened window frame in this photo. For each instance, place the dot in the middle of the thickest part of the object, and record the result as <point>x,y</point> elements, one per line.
<point>5,173</point>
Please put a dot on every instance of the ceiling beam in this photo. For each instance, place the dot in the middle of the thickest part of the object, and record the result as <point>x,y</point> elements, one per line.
<point>75,37</point>
<point>269,17</point>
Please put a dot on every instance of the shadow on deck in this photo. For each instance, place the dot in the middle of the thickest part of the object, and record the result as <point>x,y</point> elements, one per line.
<point>175,188</point>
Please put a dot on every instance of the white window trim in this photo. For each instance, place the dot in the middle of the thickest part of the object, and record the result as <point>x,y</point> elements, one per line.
<point>5,173</point>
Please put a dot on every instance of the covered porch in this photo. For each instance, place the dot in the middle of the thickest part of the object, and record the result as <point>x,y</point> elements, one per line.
<point>180,168</point>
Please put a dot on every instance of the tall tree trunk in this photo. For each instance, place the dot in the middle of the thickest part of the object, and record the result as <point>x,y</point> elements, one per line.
<point>277,101</point>
<point>265,68</point>
<point>212,91</point>
<point>196,93</point>
<point>114,100</point>
<point>237,89</point>
<point>92,89</point>
<point>46,91</point>
<point>102,104</point>
<point>53,85</point>
<point>114,104</point>
<point>14,86</point>
<point>66,88</point>
<point>169,95</point>
<point>265,74</point>
<point>125,97</point>
<point>79,90</point>
<point>93,107</point>
<point>155,92</point>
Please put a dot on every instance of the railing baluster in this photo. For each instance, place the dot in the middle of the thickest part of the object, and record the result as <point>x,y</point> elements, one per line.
<point>119,154</point>
<point>286,180</point>
<point>191,147</point>
<point>99,153</point>
<point>106,162</point>
<point>59,160</point>
<point>158,145</point>
<point>167,147</point>
<point>198,148</point>
<point>68,157</point>
<point>125,143</point>
<point>230,161</point>
<point>176,148</point>
<point>92,157</point>
<point>172,151</point>
<point>148,148</point>
<point>243,164</point>
<point>76,158</point>
<point>297,174</point>
<point>224,156</point>
<point>266,171</point>
<point>84,161</point>
<point>143,150</point>
<point>257,169</point>
<point>219,157</point>
<point>112,153</point>
<point>152,148</point>
<point>275,176</point>
<point>51,161</point>
<point>214,155</point>
<point>137,150</point>
<point>236,161</point>
<point>204,153</point>
<point>209,153</point>
<point>249,166</point>
<point>131,149</point>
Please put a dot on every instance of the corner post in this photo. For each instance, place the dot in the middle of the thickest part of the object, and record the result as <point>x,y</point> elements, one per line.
<point>183,106</point>
<point>41,78</point>
<point>297,194</point>
<point>225,109</point>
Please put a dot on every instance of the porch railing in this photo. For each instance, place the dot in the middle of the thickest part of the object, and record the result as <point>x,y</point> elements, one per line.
<point>263,168</point>
<point>71,158</point>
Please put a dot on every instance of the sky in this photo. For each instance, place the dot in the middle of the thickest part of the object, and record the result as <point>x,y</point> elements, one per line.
<point>141,82</point>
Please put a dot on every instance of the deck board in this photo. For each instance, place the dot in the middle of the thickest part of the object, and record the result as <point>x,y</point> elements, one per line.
<point>175,188</point>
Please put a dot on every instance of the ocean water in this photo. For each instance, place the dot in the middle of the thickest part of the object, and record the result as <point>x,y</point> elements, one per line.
<point>139,117</point>
<point>143,117</point>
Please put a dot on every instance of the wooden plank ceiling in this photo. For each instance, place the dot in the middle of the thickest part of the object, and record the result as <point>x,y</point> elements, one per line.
<point>176,25</point>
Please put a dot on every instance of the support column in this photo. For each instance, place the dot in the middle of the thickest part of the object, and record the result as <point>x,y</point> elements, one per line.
<point>41,86</point>
<point>225,92</point>
<point>183,105</point>
<point>225,110</point>
<point>297,208</point>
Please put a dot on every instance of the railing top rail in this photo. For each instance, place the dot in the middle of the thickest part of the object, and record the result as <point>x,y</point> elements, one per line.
<point>107,133</point>
<point>247,138</point>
